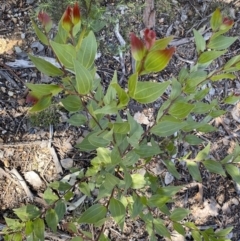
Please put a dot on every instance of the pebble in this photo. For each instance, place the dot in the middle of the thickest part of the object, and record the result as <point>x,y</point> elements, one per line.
<point>18,50</point>
<point>22,35</point>
<point>10,93</point>
<point>14,20</point>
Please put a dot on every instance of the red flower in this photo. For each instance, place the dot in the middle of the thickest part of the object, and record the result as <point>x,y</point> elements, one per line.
<point>137,47</point>
<point>76,14</point>
<point>149,37</point>
<point>45,20</point>
<point>30,99</point>
<point>71,17</point>
<point>226,24</point>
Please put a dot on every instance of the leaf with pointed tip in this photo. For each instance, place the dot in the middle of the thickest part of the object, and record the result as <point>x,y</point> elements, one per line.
<point>65,53</point>
<point>87,52</point>
<point>42,104</point>
<point>93,214</point>
<point>84,78</point>
<point>221,42</point>
<point>123,97</point>
<point>161,44</point>
<point>42,37</point>
<point>223,76</point>
<point>178,214</point>
<point>233,171</point>
<point>194,170</point>
<point>180,109</point>
<point>72,103</point>
<point>118,211</point>
<point>45,67</point>
<point>214,166</point>
<point>157,60</point>
<point>147,92</point>
<point>216,19</point>
<point>200,41</point>
<point>210,55</point>
<point>52,219</point>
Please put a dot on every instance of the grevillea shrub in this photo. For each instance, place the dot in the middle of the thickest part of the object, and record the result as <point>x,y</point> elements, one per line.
<point>123,149</point>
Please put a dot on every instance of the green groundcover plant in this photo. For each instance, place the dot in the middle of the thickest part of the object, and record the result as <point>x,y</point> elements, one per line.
<point>122,148</point>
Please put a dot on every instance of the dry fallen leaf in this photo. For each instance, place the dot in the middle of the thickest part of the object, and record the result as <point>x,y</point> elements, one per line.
<point>141,118</point>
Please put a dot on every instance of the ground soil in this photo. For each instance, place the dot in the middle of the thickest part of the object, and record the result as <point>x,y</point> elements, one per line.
<point>24,144</point>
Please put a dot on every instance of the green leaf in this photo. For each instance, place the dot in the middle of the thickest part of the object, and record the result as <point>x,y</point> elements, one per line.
<point>45,67</point>
<point>77,239</point>
<point>196,235</point>
<point>42,37</point>
<point>85,145</point>
<point>216,19</point>
<point>232,99</point>
<point>123,97</point>
<point>52,219</point>
<point>49,196</point>
<point>28,212</point>
<point>232,62</point>
<point>137,206</point>
<point>179,228</point>
<point>111,92</point>
<point>193,140</point>
<point>40,90</point>
<point>161,44</point>
<point>167,127</point>
<point>180,109</point>
<point>203,154</point>
<point>157,60</point>
<point>233,171</point>
<point>178,214</point>
<point>60,186</point>
<point>84,79</point>
<point>194,170</point>
<point>224,232</point>
<point>148,150</point>
<point>214,166</point>
<point>60,209</point>
<point>118,211</point>
<point>132,84</point>
<point>147,92</point>
<point>87,52</point>
<point>223,76</point>
<point>97,139</point>
<point>29,227</point>
<point>158,200</point>
<point>138,181</point>
<point>110,181</point>
<point>72,103</point>
<point>161,228</point>
<point>172,169</point>
<point>107,109</point>
<point>42,104</point>
<point>66,53</point>
<point>121,128</point>
<point>39,228</point>
<point>209,56</point>
<point>85,189</point>
<point>135,133</point>
<point>200,41</point>
<point>176,89</point>
<point>169,191</point>
<point>195,78</point>
<point>77,120</point>
<point>93,214</point>
<point>14,224</point>
<point>201,108</point>
<point>221,42</point>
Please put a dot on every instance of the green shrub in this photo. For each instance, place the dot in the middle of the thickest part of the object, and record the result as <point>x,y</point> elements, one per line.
<point>123,149</point>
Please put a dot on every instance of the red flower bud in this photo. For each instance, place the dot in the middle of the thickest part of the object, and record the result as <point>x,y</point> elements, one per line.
<point>45,20</point>
<point>149,37</point>
<point>76,14</point>
<point>30,99</point>
<point>67,19</point>
<point>137,47</point>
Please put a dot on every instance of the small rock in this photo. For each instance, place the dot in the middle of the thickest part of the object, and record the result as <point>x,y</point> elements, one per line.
<point>22,35</point>
<point>184,17</point>
<point>33,178</point>
<point>10,93</point>
<point>67,163</point>
<point>14,20</point>
<point>17,50</point>
<point>30,1</point>
<point>168,178</point>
